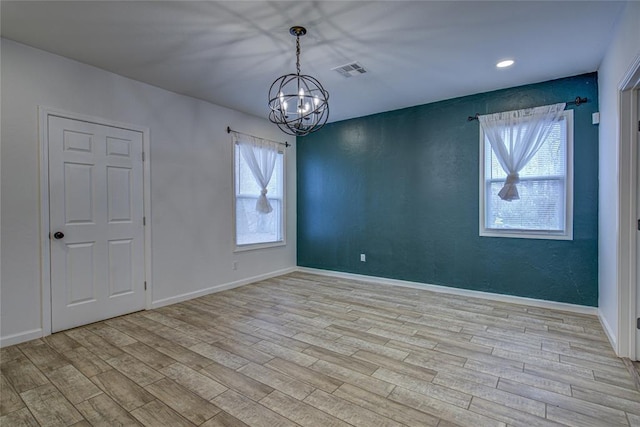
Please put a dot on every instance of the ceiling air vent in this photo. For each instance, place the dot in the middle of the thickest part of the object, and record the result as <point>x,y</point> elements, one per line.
<point>350,70</point>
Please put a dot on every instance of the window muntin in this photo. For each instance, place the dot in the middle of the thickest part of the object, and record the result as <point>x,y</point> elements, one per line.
<point>544,210</point>
<point>252,229</point>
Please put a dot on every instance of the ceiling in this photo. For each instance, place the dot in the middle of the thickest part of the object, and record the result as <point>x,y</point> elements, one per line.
<point>415,52</point>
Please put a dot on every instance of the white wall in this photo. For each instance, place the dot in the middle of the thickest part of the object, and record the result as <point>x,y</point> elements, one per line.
<point>191,172</point>
<point>624,48</point>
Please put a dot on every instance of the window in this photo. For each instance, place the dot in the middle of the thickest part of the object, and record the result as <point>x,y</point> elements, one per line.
<point>254,229</point>
<point>544,209</point>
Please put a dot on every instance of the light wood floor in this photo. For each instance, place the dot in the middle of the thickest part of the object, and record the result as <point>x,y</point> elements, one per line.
<point>316,351</point>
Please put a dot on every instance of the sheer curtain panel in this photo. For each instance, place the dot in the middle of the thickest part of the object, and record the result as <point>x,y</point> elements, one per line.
<point>515,137</point>
<point>260,155</point>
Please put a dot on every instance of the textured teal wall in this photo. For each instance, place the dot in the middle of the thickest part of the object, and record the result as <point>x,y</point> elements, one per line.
<point>402,187</point>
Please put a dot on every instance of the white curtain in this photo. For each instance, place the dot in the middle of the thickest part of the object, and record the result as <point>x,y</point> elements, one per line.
<point>515,137</point>
<point>260,156</point>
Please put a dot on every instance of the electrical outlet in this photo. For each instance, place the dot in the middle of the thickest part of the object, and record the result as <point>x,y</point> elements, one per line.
<point>363,258</point>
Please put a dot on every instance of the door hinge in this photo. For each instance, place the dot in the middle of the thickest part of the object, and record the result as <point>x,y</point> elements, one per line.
<point>145,285</point>
<point>143,156</point>
<point>144,220</point>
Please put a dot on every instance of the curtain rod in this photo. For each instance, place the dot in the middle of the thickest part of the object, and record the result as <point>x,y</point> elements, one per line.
<point>575,102</point>
<point>229,130</point>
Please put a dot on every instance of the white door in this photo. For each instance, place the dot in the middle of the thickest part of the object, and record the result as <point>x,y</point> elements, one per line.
<point>96,222</point>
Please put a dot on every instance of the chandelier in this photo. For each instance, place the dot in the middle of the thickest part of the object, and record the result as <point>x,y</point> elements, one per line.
<point>298,103</point>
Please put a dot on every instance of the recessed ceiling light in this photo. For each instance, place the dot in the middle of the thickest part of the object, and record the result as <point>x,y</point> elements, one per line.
<point>504,64</point>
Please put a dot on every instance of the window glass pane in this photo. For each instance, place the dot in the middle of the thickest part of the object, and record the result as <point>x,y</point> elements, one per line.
<point>493,168</point>
<point>247,184</point>
<point>252,227</point>
<point>550,160</point>
<point>541,206</point>
<point>275,186</point>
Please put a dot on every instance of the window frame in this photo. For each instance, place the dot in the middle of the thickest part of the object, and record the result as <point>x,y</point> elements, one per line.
<point>236,156</point>
<point>567,233</point>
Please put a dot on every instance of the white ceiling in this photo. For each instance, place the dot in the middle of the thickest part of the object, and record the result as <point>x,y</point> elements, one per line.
<point>229,52</point>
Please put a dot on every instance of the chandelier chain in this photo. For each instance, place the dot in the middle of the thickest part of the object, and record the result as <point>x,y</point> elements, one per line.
<point>298,54</point>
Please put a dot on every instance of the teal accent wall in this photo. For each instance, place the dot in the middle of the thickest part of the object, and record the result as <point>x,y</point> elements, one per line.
<point>402,187</point>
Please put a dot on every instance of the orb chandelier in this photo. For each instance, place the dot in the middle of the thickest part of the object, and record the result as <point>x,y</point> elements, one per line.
<point>298,103</point>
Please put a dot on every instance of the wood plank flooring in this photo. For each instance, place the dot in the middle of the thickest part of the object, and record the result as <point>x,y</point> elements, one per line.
<point>308,350</point>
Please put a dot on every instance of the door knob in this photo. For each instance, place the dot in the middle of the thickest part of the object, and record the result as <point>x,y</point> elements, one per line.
<point>58,235</point>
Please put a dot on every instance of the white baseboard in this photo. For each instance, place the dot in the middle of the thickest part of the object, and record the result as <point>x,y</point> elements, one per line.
<point>573,308</point>
<point>219,288</point>
<point>609,332</point>
<point>21,337</point>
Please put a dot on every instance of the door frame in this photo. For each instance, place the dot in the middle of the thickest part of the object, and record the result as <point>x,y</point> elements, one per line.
<point>45,250</point>
<point>628,171</point>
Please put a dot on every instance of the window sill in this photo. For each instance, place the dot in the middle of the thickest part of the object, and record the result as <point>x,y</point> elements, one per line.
<point>256,246</point>
<point>527,234</point>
